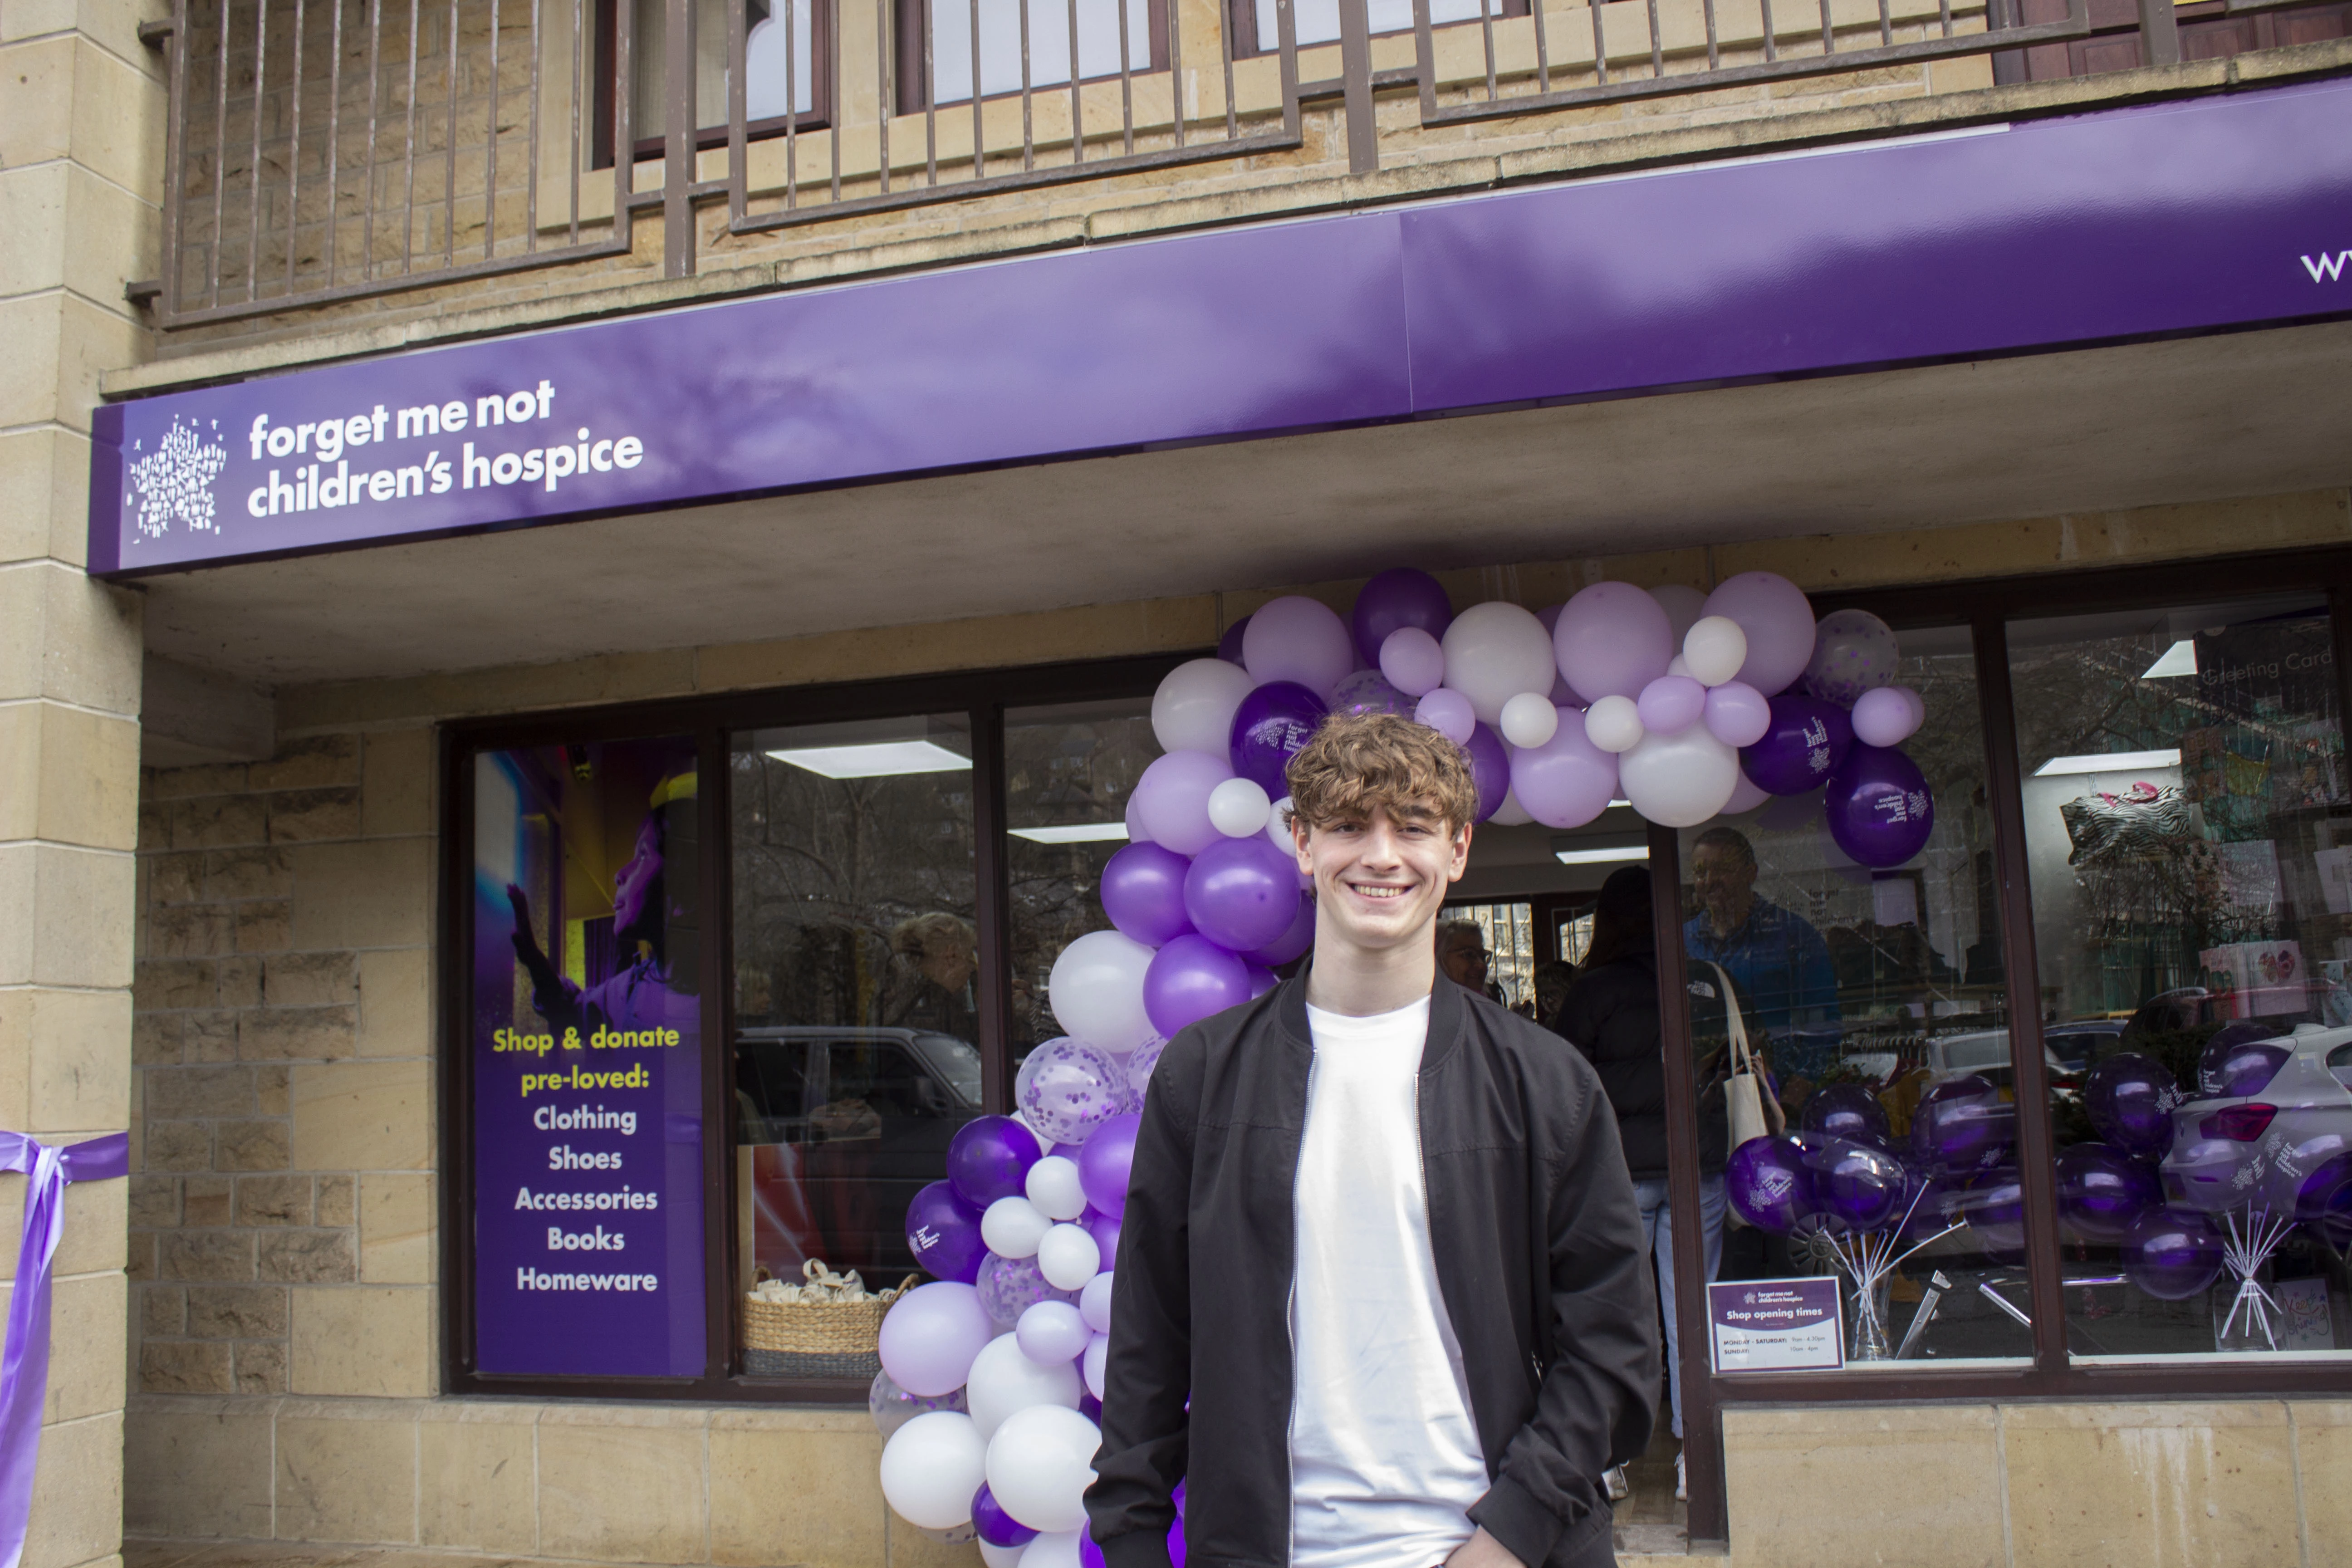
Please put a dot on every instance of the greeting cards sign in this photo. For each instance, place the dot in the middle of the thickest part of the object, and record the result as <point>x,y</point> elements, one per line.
<point>586,1059</point>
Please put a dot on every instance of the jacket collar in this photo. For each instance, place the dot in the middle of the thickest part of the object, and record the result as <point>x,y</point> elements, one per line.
<point>1449,1006</point>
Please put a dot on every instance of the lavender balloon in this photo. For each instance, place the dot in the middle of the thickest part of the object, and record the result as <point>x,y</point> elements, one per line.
<point>989,1158</point>
<point>1768,1183</point>
<point>1067,1088</point>
<point>1413,661</point>
<point>1104,1228</point>
<point>1190,978</point>
<point>1568,780</point>
<point>1803,744</point>
<point>1229,647</point>
<point>892,1406</point>
<point>1398,597</point>
<point>1670,704</point>
<point>1849,1111</point>
<point>1273,725</point>
<point>931,1335</point>
<point>1449,713</point>
<point>1295,638</point>
<point>1853,652</point>
<point>1143,893</point>
<point>995,1525</point>
<point>1962,1125</point>
<point>1106,1160</point>
<point>1294,941</point>
<point>1611,640</point>
<point>1172,799</point>
<point>1009,1286</point>
<point>1878,805</point>
<point>1242,893</point>
<point>1490,769</point>
<point>1778,622</point>
<point>943,1232</point>
<point>2103,1192</point>
<point>2173,1254</point>
<point>1368,692</point>
<point>2130,1098</point>
<point>1738,714</point>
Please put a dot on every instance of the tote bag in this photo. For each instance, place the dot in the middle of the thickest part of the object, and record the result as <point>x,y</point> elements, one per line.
<point>1743,1093</point>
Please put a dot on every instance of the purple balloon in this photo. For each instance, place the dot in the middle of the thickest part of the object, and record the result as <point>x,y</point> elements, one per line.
<point>1396,598</point>
<point>1242,893</point>
<point>1568,780</point>
<point>1294,941</point>
<point>1104,1228</point>
<point>2239,1061</point>
<point>1011,1286</point>
<point>2103,1192</point>
<point>1449,713</point>
<point>989,1158</point>
<point>1136,832</point>
<point>1994,1204</point>
<point>1738,714</point>
<point>1412,661</point>
<point>2323,1202</point>
<point>2173,1254</point>
<point>1859,1184</point>
<point>1103,1162</point>
<point>1273,724</point>
<point>2130,1098</point>
<point>1490,769</point>
<point>995,1526</point>
<point>1090,1555</point>
<point>1962,1125</point>
<point>1670,704</point>
<point>1190,978</point>
<point>1931,1202</point>
<point>1807,740</point>
<point>1879,807</point>
<point>1847,1110</point>
<point>1262,979</point>
<point>1368,692</point>
<point>1768,1183</point>
<point>943,1232</point>
<point>1143,893</point>
<point>1611,640</point>
<point>1229,647</point>
<point>1172,800</point>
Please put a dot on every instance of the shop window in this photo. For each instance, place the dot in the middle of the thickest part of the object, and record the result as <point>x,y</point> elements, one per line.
<point>857,1049</point>
<point>1502,959</point>
<point>1068,772</point>
<point>2189,836</point>
<point>1865,993</point>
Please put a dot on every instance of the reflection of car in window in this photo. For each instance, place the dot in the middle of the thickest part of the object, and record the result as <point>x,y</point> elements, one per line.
<point>1986,1052</point>
<point>842,1126</point>
<point>2284,1142</point>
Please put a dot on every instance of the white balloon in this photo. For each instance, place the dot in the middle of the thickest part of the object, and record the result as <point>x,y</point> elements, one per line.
<point>1678,665</point>
<point>1239,807</point>
<point>1051,1333</point>
<point>1097,1357</point>
<point>930,1467</point>
<point>1683,606</point>
<point>1094,1302</point>
<point>1053,1549</point>
<point>1012,1228</point>
<point>1716,647</point>
<point>1277,828</point>
<point>1495,651</point>
<point>1301,639</point>
<point>1679,780</point>
<point>1004,1381</point>
<point>1193,708</point>
<point>1529,719</point>
<point>1612,723</point>
<point>1067,1256</point>
<point>1002,1556</point>
<point>1040,1463</point>
<point>1511,813</point>
<point>1053,1186</point>
<point>1097,991</point>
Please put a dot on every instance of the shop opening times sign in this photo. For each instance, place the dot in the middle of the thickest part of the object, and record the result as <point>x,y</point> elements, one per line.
<point>587,1063</point>
<point>1775,1325</point>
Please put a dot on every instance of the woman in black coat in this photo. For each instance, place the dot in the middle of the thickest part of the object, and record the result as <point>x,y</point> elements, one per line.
<point>1611,1015</point>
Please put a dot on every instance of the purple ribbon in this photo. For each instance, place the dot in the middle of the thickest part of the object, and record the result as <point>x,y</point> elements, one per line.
<point>24,1365</point>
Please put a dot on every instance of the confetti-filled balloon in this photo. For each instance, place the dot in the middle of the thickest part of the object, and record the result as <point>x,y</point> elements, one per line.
<point>1853,652</point>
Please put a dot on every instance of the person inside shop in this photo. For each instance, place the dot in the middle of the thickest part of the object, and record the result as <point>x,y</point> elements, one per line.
<point>1779,964</point>
<point>1611,1014</point>
<point>1396,1201</point>
<point>1553,979</point>
<point>1462,958</point>
<point>933,959</point>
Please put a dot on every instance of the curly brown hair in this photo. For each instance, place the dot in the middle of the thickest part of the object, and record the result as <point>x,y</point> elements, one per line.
<point>1357,762</point>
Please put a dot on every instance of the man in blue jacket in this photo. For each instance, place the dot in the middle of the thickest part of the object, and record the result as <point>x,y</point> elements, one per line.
<point>1382,1300</point>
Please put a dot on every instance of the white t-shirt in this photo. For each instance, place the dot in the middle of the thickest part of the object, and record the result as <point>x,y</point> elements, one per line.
<point>1384,1458</point>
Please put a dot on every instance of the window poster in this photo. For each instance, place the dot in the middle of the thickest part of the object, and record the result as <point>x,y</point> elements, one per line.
<point>586,1055</point>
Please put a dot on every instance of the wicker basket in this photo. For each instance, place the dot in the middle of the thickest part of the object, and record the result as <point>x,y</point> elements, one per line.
<point>816,1339</point>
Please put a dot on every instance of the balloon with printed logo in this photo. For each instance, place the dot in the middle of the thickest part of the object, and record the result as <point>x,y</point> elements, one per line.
<point>1885,717</point>
<point>1398,597</point>
<point>1295,938</point>
<point>1853,652</point>
<point>1106,1160</point>
<point>892,1406</point>
<point>1368,692</point>
<point>931,1335</point>
<point>1612,639</point>
<point>1299,641</point>
<point>1242,893</point>
<point>994,1526</point>
<point>1769,1184</point>
<point>1190,978</point>
<point>1803,745</point>
<point>1679,781</point>
<point>1490,769</point>
<point>1878,806</point>
<point>1412,661</point>
<point>1565,782</point>
<point>1172,799</point>
<point>989,1158</point>
<point>1962,1125</point>
<point>2173,1254</point>
<point>943,1232</point>
<point>1193,711</point>
<point>1849,1111</point>
<point>1067,1088</point>
<point>1494,652</point>
<point>931,1466</point>
<point>1096,989</point>
<point>2103,1192</point>
<point>1009,1286</point>
<point>1272,725</point>
<point>1777,621</point>
<point>1142,891</point>
<point>2130,1098</point>
<point>1004,1381</point>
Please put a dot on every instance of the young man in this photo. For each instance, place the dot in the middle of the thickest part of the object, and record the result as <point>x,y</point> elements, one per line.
<point>1379,1233</point>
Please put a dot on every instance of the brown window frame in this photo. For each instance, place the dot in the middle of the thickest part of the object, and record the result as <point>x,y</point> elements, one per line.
<point>907,26</point>
<point>707,138</point>
<point>1241,17</point>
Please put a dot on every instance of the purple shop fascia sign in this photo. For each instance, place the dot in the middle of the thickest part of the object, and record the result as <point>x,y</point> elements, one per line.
<point>2194,216</point>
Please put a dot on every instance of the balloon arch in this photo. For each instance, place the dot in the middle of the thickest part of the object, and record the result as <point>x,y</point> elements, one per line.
<point>1682,704</point>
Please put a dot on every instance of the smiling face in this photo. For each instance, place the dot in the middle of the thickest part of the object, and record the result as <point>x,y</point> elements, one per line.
<point>1380,874</point>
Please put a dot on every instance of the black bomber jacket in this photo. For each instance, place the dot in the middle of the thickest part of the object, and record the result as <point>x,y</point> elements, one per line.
<point>1539,1258</point>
